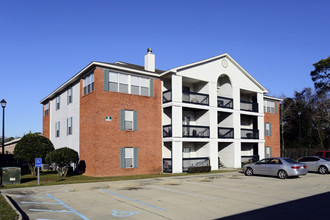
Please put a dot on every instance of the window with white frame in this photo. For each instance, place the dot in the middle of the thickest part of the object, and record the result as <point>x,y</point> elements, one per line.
<point>69,95</point>
<point>57,103</point>
<point>129,157</point>
<point>269,106</point>
<point>57,129</point>
<point>131,84</point>
<point>69,126</point>
<point>88,83</point>
<point>46,109</point>
<point>128,120</point>
<point>268,129</point>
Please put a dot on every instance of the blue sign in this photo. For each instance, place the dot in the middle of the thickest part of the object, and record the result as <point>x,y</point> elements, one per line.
<point>38,162</point>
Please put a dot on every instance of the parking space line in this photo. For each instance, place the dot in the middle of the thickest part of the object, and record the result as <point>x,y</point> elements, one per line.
<point>47,210</point>
<point>187,193</point>
<point>42,197</point>
<point>68,207</point>
<point>134,200</point>
<point>48,203</point>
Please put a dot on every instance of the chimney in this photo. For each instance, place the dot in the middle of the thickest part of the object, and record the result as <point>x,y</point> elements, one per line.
<point>149,61</point>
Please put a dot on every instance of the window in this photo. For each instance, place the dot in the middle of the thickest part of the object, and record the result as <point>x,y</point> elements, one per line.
<point>57,129</point>
<point>57,102</point>
<point>46,109</point>
<point>269,106</point>
<point>268,152</point>
<point>128,120</point>
<point>69,95</point>
<point>88,83</point>
<point>69,126</point>
<point>268,129</point>
<point>129,157</point>
<point>186,152</point>
<point>131,84</point>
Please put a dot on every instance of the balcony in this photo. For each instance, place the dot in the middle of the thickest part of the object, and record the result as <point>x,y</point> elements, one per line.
<point>224,133</point>
<point>167,131</point>
<point>249,134</point>
<point>186,163</point>
<point>249,106</point>
<point>195,98</point>
<point>224,102</point>
<point>167,96</point>
<point>195,131</point>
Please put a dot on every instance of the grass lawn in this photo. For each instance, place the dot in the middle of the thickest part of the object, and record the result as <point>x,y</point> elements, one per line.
<point>6,212</point>
<point>50,178</point>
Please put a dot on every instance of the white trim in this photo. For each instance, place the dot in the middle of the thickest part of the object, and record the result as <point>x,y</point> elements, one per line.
<point>272,98</point>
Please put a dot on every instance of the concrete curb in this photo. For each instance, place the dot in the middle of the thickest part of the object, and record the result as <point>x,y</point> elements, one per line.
<point>12,206</point>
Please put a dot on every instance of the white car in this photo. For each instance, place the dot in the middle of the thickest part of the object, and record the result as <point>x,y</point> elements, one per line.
<point>316,164</point>
<point>282,167</point>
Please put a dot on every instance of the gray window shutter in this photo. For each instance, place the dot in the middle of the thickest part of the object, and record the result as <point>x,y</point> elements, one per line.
<point>152,92</point>
<point>67,126</point>
<point>122,119</point>
<point>122,157</point>
<point>106,80</point>
<point>271,151</point>
<point>135,116</point>
<point>136,159</point>
<point>265,129</point>
<point>270,129</point>
<point>276,103</point>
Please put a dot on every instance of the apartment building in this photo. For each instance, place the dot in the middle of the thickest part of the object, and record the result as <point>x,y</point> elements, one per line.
<point>126,119</point>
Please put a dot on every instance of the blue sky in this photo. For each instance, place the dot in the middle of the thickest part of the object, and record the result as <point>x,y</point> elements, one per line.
<point>44,43</point>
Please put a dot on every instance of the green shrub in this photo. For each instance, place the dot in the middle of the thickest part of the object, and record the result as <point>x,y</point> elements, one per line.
<point>202,169</point>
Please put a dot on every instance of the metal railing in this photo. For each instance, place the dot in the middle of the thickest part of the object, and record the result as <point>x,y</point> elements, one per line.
<point>167,131</point>
<point>167,96</point>
<point>186,163</point>
<point>249,134</point>
<point>195,98</point>
<point>194,162</point>
<point>224,102</point>
<point>249,106</point>
<point>167,165</point>
<point>195,131</point>
<point>225,132</point>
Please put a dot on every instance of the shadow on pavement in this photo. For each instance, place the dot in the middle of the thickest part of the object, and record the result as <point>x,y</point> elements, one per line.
<point>307,208</point>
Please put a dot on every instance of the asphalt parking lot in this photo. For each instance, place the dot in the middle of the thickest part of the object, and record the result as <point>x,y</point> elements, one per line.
<point>212,196</point>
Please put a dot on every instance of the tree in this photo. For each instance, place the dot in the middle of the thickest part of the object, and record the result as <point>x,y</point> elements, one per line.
<point>321,76</point>
<point>62,158</point>
<point>31,146</point>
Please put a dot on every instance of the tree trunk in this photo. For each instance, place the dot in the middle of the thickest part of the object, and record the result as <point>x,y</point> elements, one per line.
<point>32,169</point>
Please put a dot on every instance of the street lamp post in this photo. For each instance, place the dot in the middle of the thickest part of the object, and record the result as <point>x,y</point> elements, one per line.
<point>299,114</point>
<point>3,105</point>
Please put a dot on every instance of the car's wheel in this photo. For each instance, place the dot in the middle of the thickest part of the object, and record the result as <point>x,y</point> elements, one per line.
<point>323,170</point>
<point>249,171</point>
<point>282,174</point>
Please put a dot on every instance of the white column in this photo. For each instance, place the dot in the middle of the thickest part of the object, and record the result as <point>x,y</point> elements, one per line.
<point>261,127</point>
<point>213,123</point>
<point>260,99</point>
<point>213,154</point>
<point>213,96</point>
<point>176,88</point>
<point>176,121</point>
<point>261,150</point>
<point>237,152</point>
<point>177,157</point>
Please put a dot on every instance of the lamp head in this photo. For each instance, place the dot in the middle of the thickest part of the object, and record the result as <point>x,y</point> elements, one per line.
<point>3,103</point>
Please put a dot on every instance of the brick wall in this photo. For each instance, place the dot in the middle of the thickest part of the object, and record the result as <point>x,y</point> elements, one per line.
<point>46,122</point>
<point>101,140</point>
<point>274,140</point>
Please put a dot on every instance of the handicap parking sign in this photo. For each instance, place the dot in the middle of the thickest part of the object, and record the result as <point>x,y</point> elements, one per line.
<point>38,162</point>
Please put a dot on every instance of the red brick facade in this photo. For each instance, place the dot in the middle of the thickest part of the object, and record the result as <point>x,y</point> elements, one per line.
<point>46,122</point>
<point>101,140</point>
<point>273,141</point>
